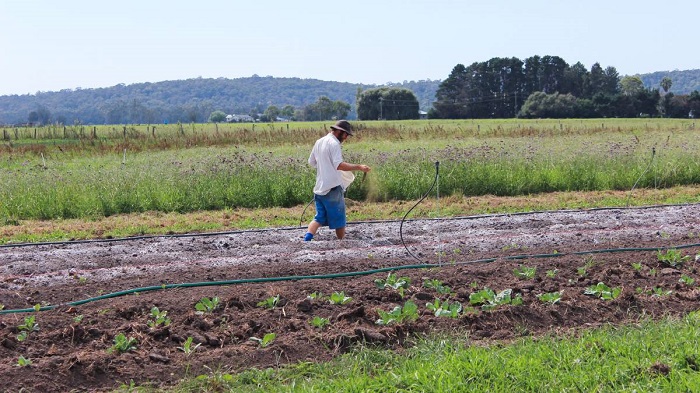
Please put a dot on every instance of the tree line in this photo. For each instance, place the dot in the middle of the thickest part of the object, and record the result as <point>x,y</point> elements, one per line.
<point>548,86</point>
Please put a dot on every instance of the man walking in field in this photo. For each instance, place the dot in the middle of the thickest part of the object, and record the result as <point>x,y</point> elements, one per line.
<point>333,177</point>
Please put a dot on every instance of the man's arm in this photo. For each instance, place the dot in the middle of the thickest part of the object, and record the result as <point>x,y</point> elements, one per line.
<point>346,166</point>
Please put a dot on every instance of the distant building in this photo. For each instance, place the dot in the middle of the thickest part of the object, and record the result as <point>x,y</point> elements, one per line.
<point>422,114</point>
<point>239,119</point>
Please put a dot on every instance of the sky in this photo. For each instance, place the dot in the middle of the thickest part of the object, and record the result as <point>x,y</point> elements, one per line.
<point>51,45</point>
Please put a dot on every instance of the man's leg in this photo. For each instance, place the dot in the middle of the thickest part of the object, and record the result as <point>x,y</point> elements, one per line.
<point>313,227</point>
<point>340,232</point>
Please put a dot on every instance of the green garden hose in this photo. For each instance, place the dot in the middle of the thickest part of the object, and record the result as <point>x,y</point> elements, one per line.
<point>335,275</point>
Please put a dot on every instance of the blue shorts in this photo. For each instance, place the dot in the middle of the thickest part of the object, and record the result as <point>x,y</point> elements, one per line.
<point>330,208</point>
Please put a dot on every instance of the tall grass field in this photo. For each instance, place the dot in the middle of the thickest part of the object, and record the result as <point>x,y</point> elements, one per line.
<point>98,171</point>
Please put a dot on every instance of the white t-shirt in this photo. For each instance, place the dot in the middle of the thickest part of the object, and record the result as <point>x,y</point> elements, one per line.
<point>325,157</point>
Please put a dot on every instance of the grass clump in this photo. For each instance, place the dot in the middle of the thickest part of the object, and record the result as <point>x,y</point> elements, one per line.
<point>610,359</point>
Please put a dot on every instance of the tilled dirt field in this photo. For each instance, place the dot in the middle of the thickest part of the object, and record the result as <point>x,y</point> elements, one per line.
<point>571,251</point>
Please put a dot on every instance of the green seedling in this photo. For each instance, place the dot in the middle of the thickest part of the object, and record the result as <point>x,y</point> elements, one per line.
<point>77,319</point>
<point>672,257</point>
<point>445,309</point>
<point>315,295</point>
<point>339,298</point>
<point>27,327</point>
<point>524,272</point>
<point>207,305</point>
<point>2,306</point>
<point>652,272</point>
<point>438,286</point>
<point>660,292</point>
<point>319,322</point>
<point>687,280</point>
<point>399,284</point>
<point>603,291</point>
<point>270,302</point>
<point>399,315</point>
<point>583,270</point>
<point>511,246</point>
<point>637,267</point>
<point>490,300</point>
<point>551,297</point>
<point>187,346</point>
<point>159,318</point>
<point>266,340</point>
<point>37,307</point>
<point>552,273</point>
<point>123,344</point>
<point>23,362</point>
<point>473,285</point>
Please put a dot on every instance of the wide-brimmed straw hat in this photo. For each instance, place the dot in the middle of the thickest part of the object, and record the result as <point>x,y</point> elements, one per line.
<point>343,125</point>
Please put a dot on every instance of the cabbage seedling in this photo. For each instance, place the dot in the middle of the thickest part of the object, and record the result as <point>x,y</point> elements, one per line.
<point>672,257</point>
<point>339,298</point>
<point>207,305</point>
<point>445,309</point>
<point>399,284</point>
<point>438,286</point>
<point>551,297</point>
<point>409,312</point>
<point>603,291</point>
<point>524,272</point>
<point>123,344</point>
<point>490,300</point>
<point>159,318</point>
<point>187,346</point>
<point>23,362</point>
<point>266,340</point>
<point>27,327</point>
<point>270,302</point>
<point>319,322</point>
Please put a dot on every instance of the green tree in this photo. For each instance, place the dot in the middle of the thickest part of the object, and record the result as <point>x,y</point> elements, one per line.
<point>543,105</point>
<point>271,113</point>
<point>217,117</point>
<point>387,103</point>
<point>452,96</point>
<point>325,109</point>
<point>694,104</point>
<point>666,84</point>
<point>631,85</point>
<point>287,111</point>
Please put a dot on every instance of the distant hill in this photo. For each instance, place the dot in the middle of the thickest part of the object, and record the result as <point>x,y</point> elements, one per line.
<point>683,82</point>
<point>193,100</point>
<point>190,100</point>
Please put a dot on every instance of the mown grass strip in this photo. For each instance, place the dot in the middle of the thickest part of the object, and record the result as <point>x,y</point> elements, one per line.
<point>608,359</point>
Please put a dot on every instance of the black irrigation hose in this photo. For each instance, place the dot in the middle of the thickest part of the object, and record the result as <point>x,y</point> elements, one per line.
<point>336,275</point>
<point>302,213</point>
<point>294,228</point>
<point>437,171</point>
